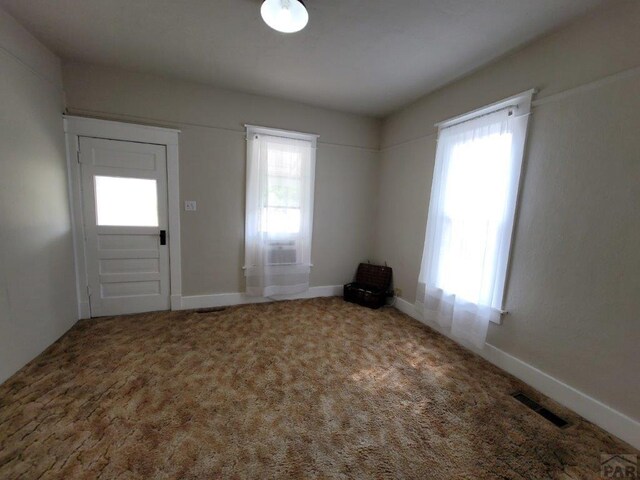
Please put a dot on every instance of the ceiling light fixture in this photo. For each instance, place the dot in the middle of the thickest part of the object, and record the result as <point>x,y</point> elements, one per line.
<point>286,16</point>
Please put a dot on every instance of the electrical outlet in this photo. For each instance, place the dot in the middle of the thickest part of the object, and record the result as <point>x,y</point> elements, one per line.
<point>190,205</point>
<point>398,292</point>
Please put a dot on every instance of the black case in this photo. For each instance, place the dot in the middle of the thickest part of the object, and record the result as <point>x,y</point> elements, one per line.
<point>371,286</point>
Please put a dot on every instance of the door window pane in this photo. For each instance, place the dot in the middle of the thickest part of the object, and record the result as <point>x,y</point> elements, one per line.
<point>126,202</point>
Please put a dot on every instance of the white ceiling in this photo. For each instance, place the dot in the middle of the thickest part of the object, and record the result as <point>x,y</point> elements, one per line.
<point>363,56</point>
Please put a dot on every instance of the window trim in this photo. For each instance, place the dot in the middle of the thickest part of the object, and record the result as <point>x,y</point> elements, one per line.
<point>520,101</point>
<point>276,132</point>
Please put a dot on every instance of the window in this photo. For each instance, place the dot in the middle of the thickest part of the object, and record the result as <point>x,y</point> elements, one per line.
<point>279,211</point>
<point>126,202</point>
<point>471,215</point>
<point>283,195</point>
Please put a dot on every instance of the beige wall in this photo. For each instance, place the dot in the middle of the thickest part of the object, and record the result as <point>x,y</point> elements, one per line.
<point>574,288</point>
<point>212,168</point>
<point>37,279</point>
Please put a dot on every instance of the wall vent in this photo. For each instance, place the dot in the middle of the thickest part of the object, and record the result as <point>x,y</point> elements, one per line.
<point>540,410</point>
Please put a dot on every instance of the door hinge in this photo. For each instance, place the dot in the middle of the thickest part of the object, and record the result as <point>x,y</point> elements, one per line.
<point>88,291</point>
<point>78,156</point>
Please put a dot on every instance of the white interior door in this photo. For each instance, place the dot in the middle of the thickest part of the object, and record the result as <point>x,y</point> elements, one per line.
<point>124,195</point>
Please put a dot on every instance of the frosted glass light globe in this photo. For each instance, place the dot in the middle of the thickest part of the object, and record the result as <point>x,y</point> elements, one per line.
<point>286,16</point>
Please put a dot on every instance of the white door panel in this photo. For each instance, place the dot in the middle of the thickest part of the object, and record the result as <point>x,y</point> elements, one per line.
<point>124,187</point>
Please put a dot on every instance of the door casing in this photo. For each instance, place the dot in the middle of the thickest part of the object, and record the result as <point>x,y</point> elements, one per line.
<point>76,127</point>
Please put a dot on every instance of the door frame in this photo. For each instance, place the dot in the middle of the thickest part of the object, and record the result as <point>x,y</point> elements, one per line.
<point>76,127</point>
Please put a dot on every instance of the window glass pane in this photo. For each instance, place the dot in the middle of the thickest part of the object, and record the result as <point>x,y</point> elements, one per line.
<point>476,190</point>
<point>281,213</point>
<point>126,202</point>
<point>281,220</point>
<point>477,181</point>
<point>283,192</point>
<point>283,162</point>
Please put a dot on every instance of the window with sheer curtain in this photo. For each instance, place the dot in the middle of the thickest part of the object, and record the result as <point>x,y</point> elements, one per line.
<point>471,215</point>
<point>279,211</point>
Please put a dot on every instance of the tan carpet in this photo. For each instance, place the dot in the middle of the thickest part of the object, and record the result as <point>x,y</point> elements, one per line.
<point>303,389</point>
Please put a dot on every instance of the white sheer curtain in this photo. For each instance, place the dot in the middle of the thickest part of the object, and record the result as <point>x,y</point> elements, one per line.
<point>279,213</point>
<point>471,214</point>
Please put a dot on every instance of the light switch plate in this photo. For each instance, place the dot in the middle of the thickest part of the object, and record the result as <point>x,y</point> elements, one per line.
<point>190,205</point>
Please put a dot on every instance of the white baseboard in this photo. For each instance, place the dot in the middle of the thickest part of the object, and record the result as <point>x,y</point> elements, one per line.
<point>611,420</point>
<point>228,299</point>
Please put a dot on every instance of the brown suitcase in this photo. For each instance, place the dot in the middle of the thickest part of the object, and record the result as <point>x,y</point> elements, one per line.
<point>371,286</point>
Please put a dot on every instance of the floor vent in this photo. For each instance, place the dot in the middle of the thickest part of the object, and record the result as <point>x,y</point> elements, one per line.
<point>540,410</point>
<point>211,310</point>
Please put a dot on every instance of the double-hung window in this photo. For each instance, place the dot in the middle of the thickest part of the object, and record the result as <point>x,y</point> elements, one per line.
<point>279,211</point>
<point>471,215</point>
